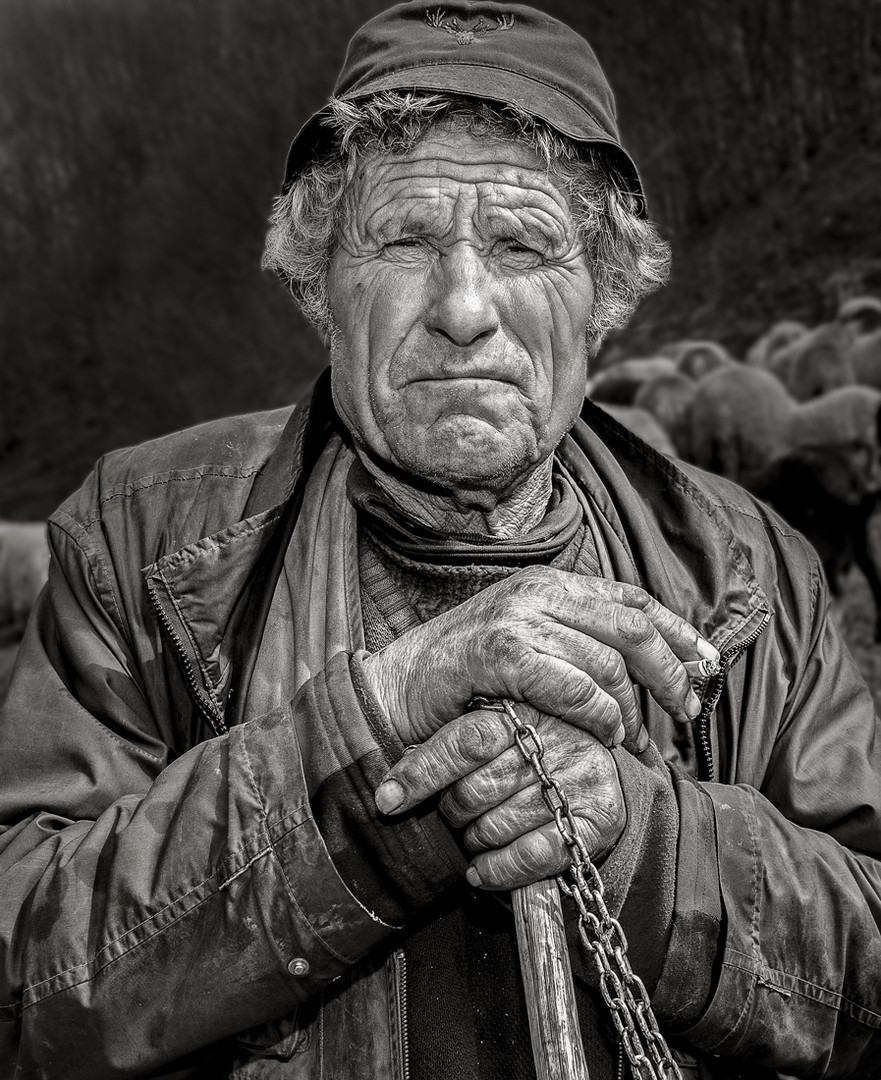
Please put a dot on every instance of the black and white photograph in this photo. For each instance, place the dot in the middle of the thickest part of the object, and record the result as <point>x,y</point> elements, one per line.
<point>440,540</point>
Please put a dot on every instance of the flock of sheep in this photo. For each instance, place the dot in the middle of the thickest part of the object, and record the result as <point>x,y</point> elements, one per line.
<point>797,422</point>
<point>24,566</point>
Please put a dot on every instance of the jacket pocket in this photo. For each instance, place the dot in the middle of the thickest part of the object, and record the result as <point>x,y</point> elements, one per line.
<point>277,1040</point>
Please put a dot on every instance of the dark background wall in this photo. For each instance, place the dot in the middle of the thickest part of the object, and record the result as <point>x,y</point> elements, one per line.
<point>141,142</point>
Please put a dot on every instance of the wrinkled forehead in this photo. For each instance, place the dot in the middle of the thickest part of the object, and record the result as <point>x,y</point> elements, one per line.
<point>449,176</point>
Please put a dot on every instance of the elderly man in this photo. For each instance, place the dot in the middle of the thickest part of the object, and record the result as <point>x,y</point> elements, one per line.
<point>262,806</point>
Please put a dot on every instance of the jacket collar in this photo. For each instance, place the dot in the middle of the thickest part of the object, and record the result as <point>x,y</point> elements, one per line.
<point>671,535</point>
<point>663,531</point>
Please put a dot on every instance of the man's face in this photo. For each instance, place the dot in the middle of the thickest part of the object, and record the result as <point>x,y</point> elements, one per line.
<point>461,295</point>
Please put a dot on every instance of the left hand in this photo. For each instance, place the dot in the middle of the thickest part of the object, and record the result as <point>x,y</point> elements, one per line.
<point>494,793</point>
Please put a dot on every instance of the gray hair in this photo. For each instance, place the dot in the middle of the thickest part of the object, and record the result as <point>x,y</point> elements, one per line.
<point>628,257</point>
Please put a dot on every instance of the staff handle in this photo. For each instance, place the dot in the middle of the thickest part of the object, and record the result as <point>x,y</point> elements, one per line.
<point>547,980</point>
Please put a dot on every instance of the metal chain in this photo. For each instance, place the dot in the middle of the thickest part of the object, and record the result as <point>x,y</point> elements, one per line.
<point>600,933</point>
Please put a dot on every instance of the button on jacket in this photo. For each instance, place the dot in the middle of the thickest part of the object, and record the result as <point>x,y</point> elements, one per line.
<point>170,906</point>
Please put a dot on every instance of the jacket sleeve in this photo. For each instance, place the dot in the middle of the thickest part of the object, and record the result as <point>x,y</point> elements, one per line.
<point>769,922</point>
<point>151,908</point>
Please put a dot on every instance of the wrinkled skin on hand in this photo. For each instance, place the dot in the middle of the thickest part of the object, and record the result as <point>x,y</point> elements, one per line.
<point>570,646</point>
<point>493,793</point>
<point>568,649</point>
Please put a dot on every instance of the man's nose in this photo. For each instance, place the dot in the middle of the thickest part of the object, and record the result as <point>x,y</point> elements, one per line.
<point>462,306</point>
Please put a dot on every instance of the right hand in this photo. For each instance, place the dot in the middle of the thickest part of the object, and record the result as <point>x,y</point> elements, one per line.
<point>566,644</point>
<point>492,792</point>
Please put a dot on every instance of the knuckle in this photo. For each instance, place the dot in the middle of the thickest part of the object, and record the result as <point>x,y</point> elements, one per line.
<point>609,668</point>
<point>524,862</point>
<point>603,709</point>
<point>635,627</point>
<point>533,577</point>
<point>528,589</point>
<point>536,856</point>
<point>481,739</point>
<point>467,798</point>
<point>607,718</point>
<point>452,809</point>
<point>504,642</point>
<point>532,673</point>
<point>484,833</point>
<point>410,770</point>
<point>634,596</point>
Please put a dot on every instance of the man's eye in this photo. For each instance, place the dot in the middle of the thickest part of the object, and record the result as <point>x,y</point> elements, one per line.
<point>406,242</point>
<point>406,250</point>
<point>515,251</point>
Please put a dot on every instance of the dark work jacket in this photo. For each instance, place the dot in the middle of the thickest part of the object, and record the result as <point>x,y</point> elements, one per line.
<point>170,907</point>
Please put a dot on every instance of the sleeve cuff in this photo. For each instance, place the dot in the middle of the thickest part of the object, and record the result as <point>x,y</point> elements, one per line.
<point>394,866</point>
<point>661,882</point>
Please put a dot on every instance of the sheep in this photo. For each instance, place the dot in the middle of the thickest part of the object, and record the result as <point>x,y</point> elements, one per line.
<point>843,422</point>
<point>741,419</point>
<point>668,398</point>
<point>696,359</point>
<point>838,531</point>
<point>815,362</point>
<point>828,485</point>
<point>818,463</point>
<point>618,385</point>
<point>24,567</point>
<point>737,421</point>
<point>8,654</point>
<point>863,315</point>
<point>644,425</point>
<point>862,312</point>
<point>780,335</point>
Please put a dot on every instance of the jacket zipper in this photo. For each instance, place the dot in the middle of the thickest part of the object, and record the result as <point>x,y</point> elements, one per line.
<point>706,769</point>
<point>206,704</point>
<point>400,969</point>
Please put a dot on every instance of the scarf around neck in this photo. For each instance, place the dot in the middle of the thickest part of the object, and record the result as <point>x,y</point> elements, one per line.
<point>394,528</point>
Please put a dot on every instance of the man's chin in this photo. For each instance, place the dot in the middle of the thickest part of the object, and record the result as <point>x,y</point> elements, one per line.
<point>462,458</point>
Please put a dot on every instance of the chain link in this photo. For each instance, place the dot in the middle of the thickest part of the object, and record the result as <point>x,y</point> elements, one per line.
<point>622,989</point>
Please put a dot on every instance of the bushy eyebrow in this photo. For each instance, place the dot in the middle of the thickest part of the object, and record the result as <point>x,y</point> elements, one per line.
<point>420,218</point>
<point>532,216</point>
<point>534,224</point>
<point>413,223</point>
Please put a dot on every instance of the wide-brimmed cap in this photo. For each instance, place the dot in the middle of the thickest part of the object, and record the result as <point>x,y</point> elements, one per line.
<point>504,53</point>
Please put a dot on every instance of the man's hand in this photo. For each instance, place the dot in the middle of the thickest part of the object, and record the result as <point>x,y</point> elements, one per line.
<point>567,644</point>
<point>494,793</point>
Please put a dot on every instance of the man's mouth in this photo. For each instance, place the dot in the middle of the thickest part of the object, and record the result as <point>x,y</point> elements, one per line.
<point>469,377</point>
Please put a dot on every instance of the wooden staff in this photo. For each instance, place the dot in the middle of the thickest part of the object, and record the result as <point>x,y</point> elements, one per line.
<point>547,979</point>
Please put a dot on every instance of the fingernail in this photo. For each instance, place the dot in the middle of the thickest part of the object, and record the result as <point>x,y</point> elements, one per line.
<point>389,796</point>
<point>473,878</point>
<point>707,651</point>
<point>619,736</point>
<point>692,705</point>
<point>642,740</point>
